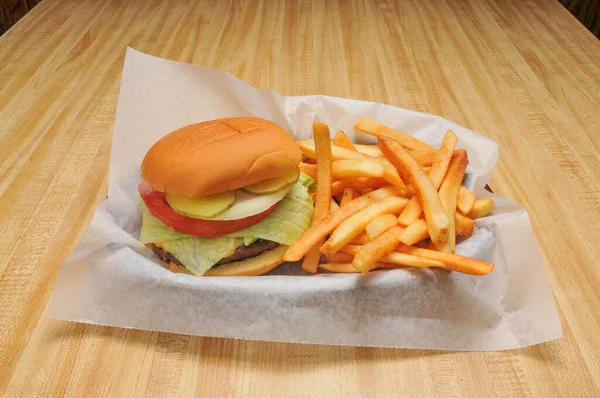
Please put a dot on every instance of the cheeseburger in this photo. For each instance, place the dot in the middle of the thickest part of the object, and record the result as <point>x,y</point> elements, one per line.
<point>224,197</point>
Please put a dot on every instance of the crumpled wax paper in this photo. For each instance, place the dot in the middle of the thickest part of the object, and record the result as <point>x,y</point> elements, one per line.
<point>110,279</point>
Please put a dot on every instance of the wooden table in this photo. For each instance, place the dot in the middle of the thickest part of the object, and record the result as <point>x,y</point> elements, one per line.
<point>524,73</point>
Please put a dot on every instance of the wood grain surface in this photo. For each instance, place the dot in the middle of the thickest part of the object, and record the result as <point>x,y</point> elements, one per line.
<point>13,10</point>
<point>587,12</point>
<point>522,72</point>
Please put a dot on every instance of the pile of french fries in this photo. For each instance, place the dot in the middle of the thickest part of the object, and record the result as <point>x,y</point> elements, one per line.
<point>397,204</point>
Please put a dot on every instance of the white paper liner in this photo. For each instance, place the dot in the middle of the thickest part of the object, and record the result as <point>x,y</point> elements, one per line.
<point>110,279</point>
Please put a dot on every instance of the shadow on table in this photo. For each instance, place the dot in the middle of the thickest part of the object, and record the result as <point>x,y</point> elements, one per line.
<point>267,356</point>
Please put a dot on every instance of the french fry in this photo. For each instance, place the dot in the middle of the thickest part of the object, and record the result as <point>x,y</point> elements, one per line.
<point>415,232</point>
<point>355,224</point>
<point>323,192</point>
<point>464,225</point>
<point>333,206</point>
<point>356,168</point>
<point>400,259</point>
<point>348,196</point>
<point>437,172</point>
<point>379,247</point>
<point>359,184</point>
<point>339,258</point>
<point>390,174</point>
<point>310,169</point>
<point>361,239</point>
<point>320,230</point>
<point>379,225</point>
<point>466,200</point>
<point>481,208</point>
<point>435,214</point>
<point>371,150</point>
<point>342,140</point>
<point>452,262</point>
<point>366,191</point>
<point>423,158</point>
<point>339,268</point>
<point>311,261</point>
<point>441,163</point>
<point>373,128</point>
<point>448,194</point>
<point>348,268</point>
<point>392,177</point>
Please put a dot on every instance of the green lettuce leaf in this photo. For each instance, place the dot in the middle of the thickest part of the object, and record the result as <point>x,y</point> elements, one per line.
<point>200,254</point>
<point>290,219</point>
<point>307,182</point>
<point>249,240</point>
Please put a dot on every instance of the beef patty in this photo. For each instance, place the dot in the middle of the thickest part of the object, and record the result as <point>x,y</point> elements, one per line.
<point>241,253</point>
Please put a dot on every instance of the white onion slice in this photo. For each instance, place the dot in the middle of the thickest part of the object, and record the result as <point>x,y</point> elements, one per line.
<point>247,205</point>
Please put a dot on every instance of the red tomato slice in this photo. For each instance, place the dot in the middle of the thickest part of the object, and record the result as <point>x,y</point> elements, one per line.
<point>158,206</point>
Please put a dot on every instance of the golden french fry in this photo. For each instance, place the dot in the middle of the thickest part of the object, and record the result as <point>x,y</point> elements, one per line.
<point>411,212</point>
<point>379,225</point>
<point>423,158</point>
<point>323,192</point>
<point>481,208</point>
<point>356,168</point>
<point>348,268</point>
<point>449,196</point>
<point>311,260</point>
<point>310,169</point>
<point>451,261</point>
<point>437,172</point>
<point>321,229</point>
<point>373,128</point>
<point>390,174</point>
<point>379,247</point>
<point>339,258</point>
<point>339,268</point>
<point>441,163</point>
<point>464,225</point>
<point>354,225</point>
<point>400,259</point>
<point>415,232</point>
<point>392,177</point>
<point>361,239</point>
<point>342,140</point>
<point>348,196</point>
<point>333,206</point>
<point>366,191</point>
<point>359,184</point>
<point>371,150</point>
<point>435,214</point>
<point>466,200</point>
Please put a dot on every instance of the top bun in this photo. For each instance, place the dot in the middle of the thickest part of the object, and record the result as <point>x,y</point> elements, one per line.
<point>219,155</point>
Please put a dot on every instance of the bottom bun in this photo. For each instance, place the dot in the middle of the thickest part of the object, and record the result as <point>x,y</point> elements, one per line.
<point>252,266</point>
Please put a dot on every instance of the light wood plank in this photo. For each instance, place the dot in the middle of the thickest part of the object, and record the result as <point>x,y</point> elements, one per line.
<point>524,73</point>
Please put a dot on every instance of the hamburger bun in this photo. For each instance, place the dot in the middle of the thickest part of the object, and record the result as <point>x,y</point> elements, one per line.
<point>219,155</point>
<point>252,266</point>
